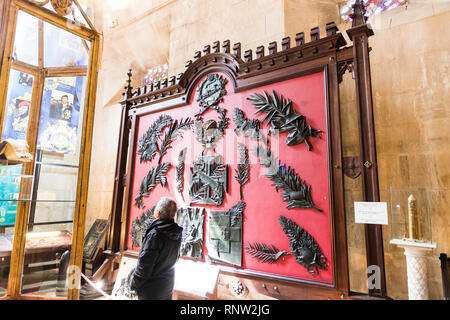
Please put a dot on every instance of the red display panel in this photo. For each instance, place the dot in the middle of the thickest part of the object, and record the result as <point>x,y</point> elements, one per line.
<point>264,205</point>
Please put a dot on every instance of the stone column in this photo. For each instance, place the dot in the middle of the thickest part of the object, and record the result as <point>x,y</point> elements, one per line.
<point>416,265</point>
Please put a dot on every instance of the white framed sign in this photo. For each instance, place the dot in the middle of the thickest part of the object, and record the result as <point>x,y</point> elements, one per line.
<point>196,278</point>
<point>371,213</point>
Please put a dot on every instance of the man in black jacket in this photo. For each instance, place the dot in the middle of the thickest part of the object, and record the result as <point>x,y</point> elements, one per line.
<point>154,276</point>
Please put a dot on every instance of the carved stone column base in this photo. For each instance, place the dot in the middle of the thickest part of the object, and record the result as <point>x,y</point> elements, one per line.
<point>416,265</point>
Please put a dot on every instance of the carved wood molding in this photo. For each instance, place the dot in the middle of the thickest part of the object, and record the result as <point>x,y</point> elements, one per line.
<point>229,60</point>
<point>278,288</point>
<point>39,3</point>
<point>343,67</point>
<point>289,56</point>
<point>352,167</point>
<point>66,9</point>
<point>62,7</point>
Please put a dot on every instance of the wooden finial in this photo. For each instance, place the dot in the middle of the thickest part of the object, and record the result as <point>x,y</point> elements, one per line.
<point>226,46</point>
<point>172,80</point>
<point>216,47</point>
<point>315,34</point>
<point>207,49</point>
<point>300,39</point>
<point>358,14</point>
<point>129,74</point>
<point>237,50</point>
<point>260,52</point>
<point>248,55</point>
<point>273,47</point>
<point>164,83</point>
<point>129,89</point>
<point>286,43</point>
<point>331,28</point>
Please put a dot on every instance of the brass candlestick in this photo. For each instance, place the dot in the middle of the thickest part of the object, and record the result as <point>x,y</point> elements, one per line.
<point>413,219</point>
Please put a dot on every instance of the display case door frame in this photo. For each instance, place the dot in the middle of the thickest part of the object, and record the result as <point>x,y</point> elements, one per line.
<point>8,19</point>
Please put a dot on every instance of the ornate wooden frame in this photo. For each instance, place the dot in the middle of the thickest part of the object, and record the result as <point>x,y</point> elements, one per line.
<point>330,55</point>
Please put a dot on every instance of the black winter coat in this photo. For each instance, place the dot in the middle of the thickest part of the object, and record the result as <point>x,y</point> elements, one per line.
<point>154,276</point>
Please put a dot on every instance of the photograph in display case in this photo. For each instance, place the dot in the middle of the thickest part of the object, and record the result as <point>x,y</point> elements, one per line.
<point>18,106</point>
<point>60,114</point>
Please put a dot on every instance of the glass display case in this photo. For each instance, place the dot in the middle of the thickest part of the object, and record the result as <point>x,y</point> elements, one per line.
<point>47,101</point>
<point>410,214</point>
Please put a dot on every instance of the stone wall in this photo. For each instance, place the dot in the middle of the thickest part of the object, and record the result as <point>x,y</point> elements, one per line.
<point>410,67</point>
<point>250,22</point>
<point>410,73</point>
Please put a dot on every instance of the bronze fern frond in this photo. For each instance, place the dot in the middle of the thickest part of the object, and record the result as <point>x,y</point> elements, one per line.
<point>154,177</point>
<point>175,131</point>
<point>282,116</point>
<point>147,144</point>
<point>264,253</point>
<point>236,213</point>
<point>180,172</point>
<point>303,246</point>
<point>243,169</point>
<point>249,128</point>
<point>140,226</point>
<point>296,192</point>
